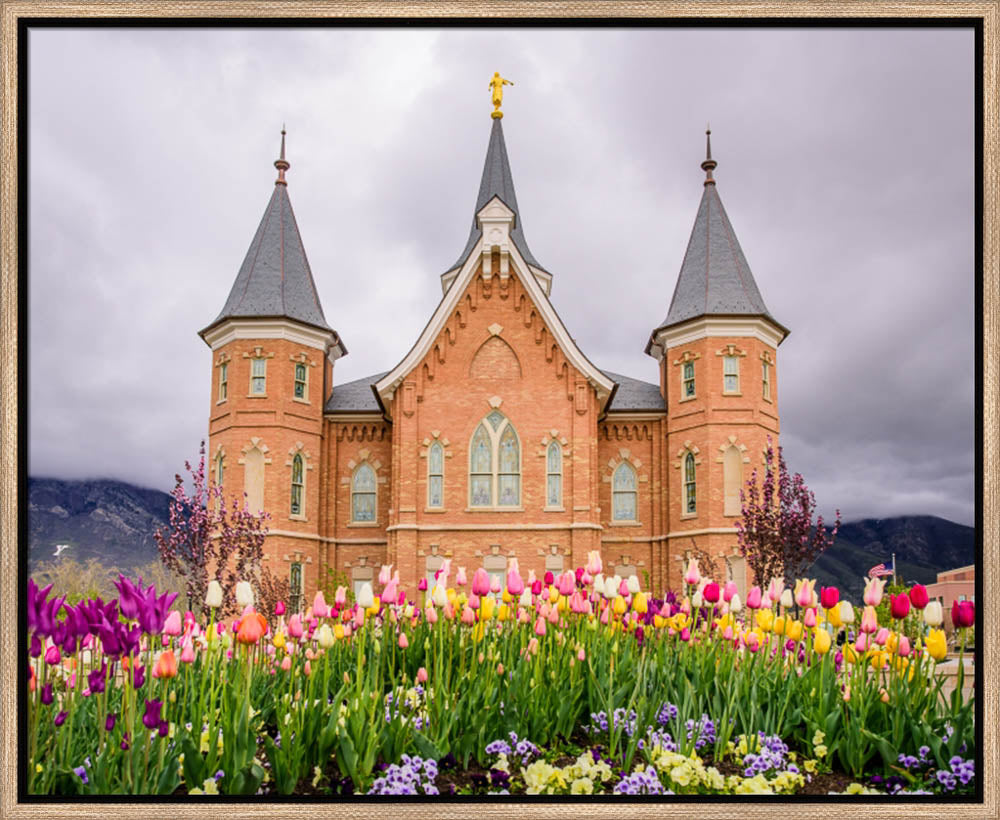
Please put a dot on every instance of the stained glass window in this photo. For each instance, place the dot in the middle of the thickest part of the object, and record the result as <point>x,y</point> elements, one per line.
<point>295,587</point>
<point>509,484</point>
<point>300,381</point>
<point>624,494</point>
<point>689,484</point>
<point>363,494</point>
<point>495,464</point>
<point>219,469</point>
<point>495,418</point>
<point>258,376</point>
<point>297,485</point>
<point>553,468</point>
<point>481,469</point>
<point>435,475</point>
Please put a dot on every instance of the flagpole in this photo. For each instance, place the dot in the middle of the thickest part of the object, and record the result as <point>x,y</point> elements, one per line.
<point>894,569</point>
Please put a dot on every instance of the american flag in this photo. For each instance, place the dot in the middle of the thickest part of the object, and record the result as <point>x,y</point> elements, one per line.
<point>879,570</point>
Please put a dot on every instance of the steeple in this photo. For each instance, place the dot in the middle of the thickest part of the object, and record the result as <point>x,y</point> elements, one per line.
<point>496,182</point>
<point>275,280</point>
<point>715,278</point>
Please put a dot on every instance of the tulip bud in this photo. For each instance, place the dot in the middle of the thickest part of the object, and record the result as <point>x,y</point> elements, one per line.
<point>697,601</point>
<point>244,594</point>
<point>460,577</point>
<point>903,647</point>
<point>846,613</point>
<point>52,655</point>
<point>829,597</point>
<point>213,597</point>
<point>821,641</point>
<point>869,620</point>
<point>735,604</point>
<point>787,601</point>
<point>809,619</point>
<point>633,584</point>
<point>873,591</point>
<point>692,575</point>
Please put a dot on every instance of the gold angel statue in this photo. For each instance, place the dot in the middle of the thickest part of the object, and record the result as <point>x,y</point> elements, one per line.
<point>496,85</point>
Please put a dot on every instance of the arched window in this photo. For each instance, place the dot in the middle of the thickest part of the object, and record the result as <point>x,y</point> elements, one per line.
<point>732,479</point>
<point>295,587</point>
<point>219,469</point>
<point>363,494</point>
<point>435,475</point>
<point>624,501</point>
<point>553,470</point>
<point>495,464</point>
<point>689,485</point>
<point>297,482</point>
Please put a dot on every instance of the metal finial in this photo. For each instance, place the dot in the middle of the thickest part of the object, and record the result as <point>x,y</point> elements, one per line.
<point>709,164</point>
<point>281,163</point>
<point>496,89</point>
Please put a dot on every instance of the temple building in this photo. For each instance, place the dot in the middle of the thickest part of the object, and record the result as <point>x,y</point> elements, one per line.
<point>496,436</point>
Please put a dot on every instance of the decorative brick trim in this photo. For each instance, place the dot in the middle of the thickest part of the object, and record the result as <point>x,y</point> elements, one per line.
<point>730,442</point>
<point>255,443</point>
<point>687,356</point>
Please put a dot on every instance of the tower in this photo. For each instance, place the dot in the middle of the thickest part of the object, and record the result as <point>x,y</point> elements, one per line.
<point>717,351</point>
<point>272,366</point>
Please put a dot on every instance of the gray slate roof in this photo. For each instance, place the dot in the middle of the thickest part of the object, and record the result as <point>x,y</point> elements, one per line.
<point>354,397</point>
<point>633,394</point>
<point>715,277</point>
<point>275,278</point>
<point>497,181</point>
<point>358,397</point>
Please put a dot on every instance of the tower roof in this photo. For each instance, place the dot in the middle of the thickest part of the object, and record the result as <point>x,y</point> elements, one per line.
<point>275,279</point>
<point>497,182</point>
<point>715,278</point>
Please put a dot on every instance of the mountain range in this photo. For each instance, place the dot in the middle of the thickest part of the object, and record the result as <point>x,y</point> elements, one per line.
<point>114,522</point>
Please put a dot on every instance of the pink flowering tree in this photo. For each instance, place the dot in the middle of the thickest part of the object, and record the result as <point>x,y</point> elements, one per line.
<point>776,532</point>
<point>207,540</point>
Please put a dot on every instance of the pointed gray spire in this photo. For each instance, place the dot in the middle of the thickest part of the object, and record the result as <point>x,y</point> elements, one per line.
<point>497,181</point>
<point>715,278</point>
<point>275,279</point>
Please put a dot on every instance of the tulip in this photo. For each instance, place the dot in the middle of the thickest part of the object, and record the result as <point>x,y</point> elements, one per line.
<point>804,591</point>
<point>793,629</point>
<point>319,606</point>
<point>753,641</point>
<point>384,574</point>
<point>963,614</point>
<point>594,563</point>
<point>692,575</point>
<point>833,616</point>
<point>821,641</point>
<point>873,591</point>
<point>403,641</point>
<point>633,584</point>
<point>487,608</point>
<point>711,593</point>
<point>846,613</point>
<point>918,596</point>
<point>754,598</point>
<point>251,628</point>
<point>422,585</point>
<point>166,666</point>
<point>735,604</point>
<point>279,609</point>
<point>468,616</point>
<point>366,598</point>
<point>52,655</point>
<point>244,594</point>
<point>933,613</point>
<point>861,644</point>
<point>829,597</point>
<point>903,647</point>
<point>809,619</point>
<point>187,651</point>
<point>882,636</point>
<point>213,596</point>
<point>480,582</point>
<point>775,588</point>
<point>787,601</point>
<point>639,604</point>
<point>60,719</point>
<point>324,636</point>
<point>779,625</point>
<point>431,614</point>
<point>151,717</point>
<point>172,626</point>
<point>685,634</point>
<point>697,601</point>
<point>764,619</point>
<point>295,626</point>
<point>307,668</point>
<point>937,645</point>
<point>515,584</point>
<point>460,578</point>
<point>869,620</point>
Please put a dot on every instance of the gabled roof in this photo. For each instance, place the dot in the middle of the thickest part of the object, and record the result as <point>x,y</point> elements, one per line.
<point>715,278</point>
<point>497,182</point>
<point>354,397</point>
<point>275,279</point>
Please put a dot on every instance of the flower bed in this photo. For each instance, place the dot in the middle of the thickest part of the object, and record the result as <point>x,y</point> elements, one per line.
<point>576,684</point>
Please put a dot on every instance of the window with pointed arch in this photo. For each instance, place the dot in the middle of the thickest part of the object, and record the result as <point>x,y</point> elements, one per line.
<point>363,495</point>
<point>219,469</point>
<point>495,463</point>
<point>624,493</point>
<point>435,476</point>
<point>297,485</point>
<point>689,485</point>
<point>553,475</point>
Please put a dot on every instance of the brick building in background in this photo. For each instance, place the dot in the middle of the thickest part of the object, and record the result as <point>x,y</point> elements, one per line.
<point>496,435</point>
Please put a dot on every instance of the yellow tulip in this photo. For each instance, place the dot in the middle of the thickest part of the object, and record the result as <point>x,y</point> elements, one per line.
<point>486,607</point>
<point>833,616</point>
<point>503,612</point>
<point>765,619</point>
<point>659,621</point>
<point>936,644</point>
<point>879,659</point>
<point>619,605</point>
<point>639,603</point>
<point>279,640</point>
<point>338,631</point>
<point>779,625</point>
<point>849,654</point>
<point>822,641</point>
<point>891,642</point>
<point>793,629</point>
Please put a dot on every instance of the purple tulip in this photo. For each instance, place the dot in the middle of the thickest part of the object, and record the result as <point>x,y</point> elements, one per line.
<point>96,679</point>
<point>151,718</point>
<point>47,694</point>
<point>109,723</point>
<point>163,728</point>
<point>138,676</point>
<point>124,743</point>
<point>36,646</point>
<point>42,612</point>
<point>60,719</point>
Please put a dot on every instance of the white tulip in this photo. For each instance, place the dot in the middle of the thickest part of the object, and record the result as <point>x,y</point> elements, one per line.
<point>366,598</point>
<point>324,636</point>
<point>633,584</point>
<point>525,599</point>
<point>697,601</point>
<point>244,594</point>
<point>213,598</point>
<point>846,612</point>
<point>599,583</point>
<point>735,604</point>
<point>787,601</point>
<point>611,587</point>
<point>933,614</point>
<point>439,596</point>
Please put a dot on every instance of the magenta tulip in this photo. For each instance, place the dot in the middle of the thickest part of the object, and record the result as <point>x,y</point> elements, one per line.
<point>754,598</point>
<point>918,596</point>
<point>899,606</point>
<point>829,597</point>
<point>963,614</point>
<point>710,593</point>
<point>480,582</point>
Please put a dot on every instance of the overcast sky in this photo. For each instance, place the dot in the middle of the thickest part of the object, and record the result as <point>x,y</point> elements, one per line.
<point>846,165</point>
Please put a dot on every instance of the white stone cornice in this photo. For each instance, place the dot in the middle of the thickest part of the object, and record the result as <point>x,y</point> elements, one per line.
<point>275,328</point>
<point>756,327</point>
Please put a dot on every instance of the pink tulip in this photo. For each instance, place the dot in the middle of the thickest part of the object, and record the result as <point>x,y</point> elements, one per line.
<point>279,608</point>
<point>586,579</point>
<point>515,584</point>
<point>52,655</point>
<point>869,620</point>
<point>754,598</point>
<point>623,588</point>
<point>172,625</point>
<point>753,642</point>
<point>693,575</point>
<point>295,626</point>
<point>480,582</point>
<point>474,601</point>
<point>307,668</point>
<point>403,642</point>
<point>359,617</point>
<point>775,588</point>
<point>187,651</point>
<point>903,647</point>
<point>385,574</point>
<point>319,607</point>
<point>286,663</point>
<point>390,591</point>
<point>685,634</point>
<point>553,616</point>
<point>421,675</point>
<point>468,616</point>
<point>460,579</point>
<point>495,585</point>
<point>861,644</point>
<point>729,590</point>
<point>882,636</point>
<point>444,572</point>
<point>873,591</point>
<point>540,626</point>
<point>810,618</point>
<point>728,633</point>
<point>606,616</point>
<point>594,564</point>
<point>566,583</point>
<point>533,646</point>
<point>431,613</point>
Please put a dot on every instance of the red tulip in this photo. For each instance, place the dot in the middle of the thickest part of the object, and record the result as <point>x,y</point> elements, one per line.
<point>963,614</point>
<point>919,596</point>
<point>549,578</point>
<point>710,593</point>
<point>829,597</point>
<point>899,606</point>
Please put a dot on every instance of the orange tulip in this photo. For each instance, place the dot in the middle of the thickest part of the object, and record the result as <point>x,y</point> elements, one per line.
<point>252,626</point>
<point>166,665</point>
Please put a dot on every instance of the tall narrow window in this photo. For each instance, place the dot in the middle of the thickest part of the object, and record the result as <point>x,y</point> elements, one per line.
<point>258,376</point>
<point>495,464</point>
<point>553,469</point>
<point>363,494</point>
<point>732,479</point>
<point>509,476</point>
<point>300,381</point>
<point>766,380</point>
<point>481,469</point>
<point>253,479</point>
<point>219,469</point>
<point>731,374</point>
<point>687,376</point>
<point>223,381</point>
<point>689,484</point>
<point>435,475</point>
<point>624,493</point>
<point>295,587</point>
<point>297,485</point>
